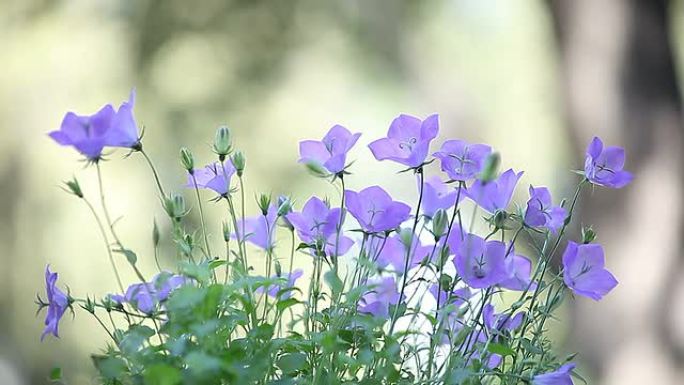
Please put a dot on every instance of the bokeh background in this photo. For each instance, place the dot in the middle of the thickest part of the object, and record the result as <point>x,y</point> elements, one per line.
<point>535,79</point>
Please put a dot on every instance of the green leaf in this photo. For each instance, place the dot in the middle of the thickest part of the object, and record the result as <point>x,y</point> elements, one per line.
<point>284,304</point>
<point>134,338</point>
<point>110,367</point>
<point>500,349</point>
<point>217,263</point>
<point>529,347</point>
<point>293,362</point>
<point>334,282</point>
<point>55,374</point>
<point>162,374</point>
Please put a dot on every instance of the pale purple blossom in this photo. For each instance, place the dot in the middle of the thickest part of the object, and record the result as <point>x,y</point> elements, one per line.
<point>584,271</point>
<point>494,195</point>
<point>317,224</point>
<point>212,177</point>
<point>481,263</point>
<point>561,376</point>
<point>604,165</point>
<point>437,195</point>
<point>57,303</point>
<point>408,140</point>
<point>375,210</point>
<point>382,294</point>
<point>462,161</point>
<point>331,152</point>
<point>541,212</point>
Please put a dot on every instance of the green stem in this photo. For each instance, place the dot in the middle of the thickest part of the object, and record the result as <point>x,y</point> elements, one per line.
<point>201,212</point>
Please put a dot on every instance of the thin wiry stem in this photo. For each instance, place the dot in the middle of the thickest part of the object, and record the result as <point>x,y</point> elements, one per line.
<point>106,241</point>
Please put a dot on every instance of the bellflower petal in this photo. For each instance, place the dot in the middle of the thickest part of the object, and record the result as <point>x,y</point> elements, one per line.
<point>124,130</point>
<point>540,211</point>
<point>57,304</point>
<point>481,263</point>
<point>584,271</point>
<point>375,210</point>
<point>87,134</point>
<point>408,140</point>
<point>331,152</point>
<point>494,195</point>
<point>212,177</point>
<point>603,166</point>
<point>519,270</point>
<point>561,376</point>
<point>393,251</point>
<point>437,195</point>
<point>259,230</point>
<point>462,161</point>
<point>383,293</point>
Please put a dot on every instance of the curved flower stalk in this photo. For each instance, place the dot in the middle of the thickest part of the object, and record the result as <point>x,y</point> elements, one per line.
<point>400,294</point>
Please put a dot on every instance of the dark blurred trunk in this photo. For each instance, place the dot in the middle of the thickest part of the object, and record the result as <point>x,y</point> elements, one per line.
<point>619,82</point>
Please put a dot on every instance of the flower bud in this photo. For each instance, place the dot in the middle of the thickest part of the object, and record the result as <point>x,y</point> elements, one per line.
<point>284,205</point>
<point>174,204</point>
<point>439,224</point>
<point>238,160</point>
<point>588,235</point>
<point>73,187</point>
<point>264,202</point>
<point>278,269</point>
<point>406,236</point>
<point>317,169</point>
<point>187,160</point>
<point>155,234</point>
<point>499,219</point>
<point>226,232</point>
<point>491,167</point>
<point>222,142</point>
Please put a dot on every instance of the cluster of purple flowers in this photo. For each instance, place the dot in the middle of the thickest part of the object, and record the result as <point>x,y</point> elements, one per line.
<point>391,238</point>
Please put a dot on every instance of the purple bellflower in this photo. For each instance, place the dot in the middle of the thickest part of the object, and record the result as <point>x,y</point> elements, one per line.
<point>604,166</point>
<point>124,130</point>
<point>495,195</point>
<point>291,280</point>
<point>481,263</point>
<point>519,270</point>
<point>212,177</point>
<point>383,294</point>
<point>584,271</point>
<point>541,212</point>
<point>392,251</point>
<point>375,210</point>
<point>317,225</point>
<point>561,376</point>
<point>58,302</point>
<point>331,152</point>
<point>259,230</point>
<point>501,321</point>
<point>458,296</point>
<point>437,195</point>
<point>461,160</point>
<point>408,140</point>
<point>87,134</point>
<point>147,296</point>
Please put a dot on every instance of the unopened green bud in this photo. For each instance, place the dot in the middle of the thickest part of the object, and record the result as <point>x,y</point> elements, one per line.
<point>187,160</point>
<point>226,232</point>
<point>155,234</point>
<point>264,202</point>
<point>174,204</point>
<point>491,167</point>
<point>406,236</point>
<point>439,224</point>
<point>238,160</point>
<point>284,205</point>
<point>500,219</point>
<point>73,187</point>
<point>278,269</point>
<point>222,142</point>
<point>317,169</point>
<point>588,235</point>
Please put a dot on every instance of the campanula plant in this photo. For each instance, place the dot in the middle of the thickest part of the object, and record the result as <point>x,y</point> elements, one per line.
<point>393,292</point>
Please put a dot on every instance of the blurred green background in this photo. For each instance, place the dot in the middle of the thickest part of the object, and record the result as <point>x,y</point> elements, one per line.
<point>535,79</point>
